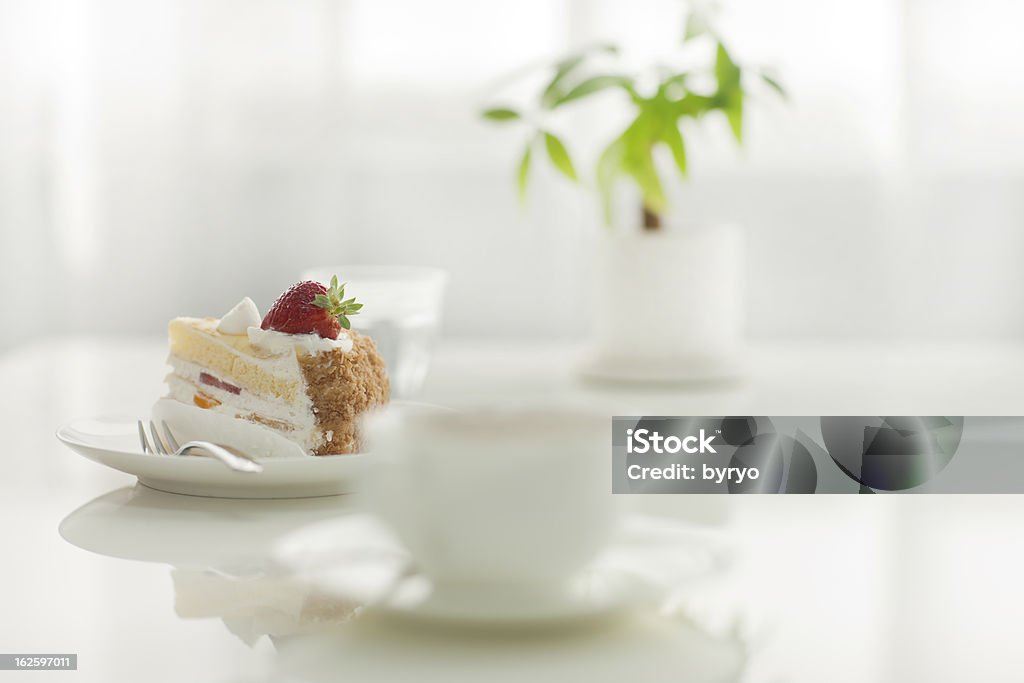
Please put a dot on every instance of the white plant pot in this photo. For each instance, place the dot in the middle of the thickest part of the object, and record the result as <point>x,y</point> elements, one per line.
<point>668,306</point>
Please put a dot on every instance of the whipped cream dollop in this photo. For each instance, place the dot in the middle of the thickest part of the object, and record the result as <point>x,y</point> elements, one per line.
<point>240,318</point>
<point>276,343</point>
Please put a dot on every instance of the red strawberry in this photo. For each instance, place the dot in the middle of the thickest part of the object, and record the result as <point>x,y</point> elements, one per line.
<point>310,308</point>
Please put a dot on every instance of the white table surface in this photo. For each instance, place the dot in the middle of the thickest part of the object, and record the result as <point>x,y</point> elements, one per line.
<point>838,588</point>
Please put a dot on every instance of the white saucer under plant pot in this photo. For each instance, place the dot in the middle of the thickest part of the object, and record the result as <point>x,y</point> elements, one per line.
<point>681,288</point>
<point>668,303</point>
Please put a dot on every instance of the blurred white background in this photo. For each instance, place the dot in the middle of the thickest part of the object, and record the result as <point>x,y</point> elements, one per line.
<point>166,157</point>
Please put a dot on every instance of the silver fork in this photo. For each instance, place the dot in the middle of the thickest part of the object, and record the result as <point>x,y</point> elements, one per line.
<point>162,442</point>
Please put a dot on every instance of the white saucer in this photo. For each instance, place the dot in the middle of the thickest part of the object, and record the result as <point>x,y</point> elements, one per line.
<point>584,597</point>
<point>114,442</point>
<point>356,558</point>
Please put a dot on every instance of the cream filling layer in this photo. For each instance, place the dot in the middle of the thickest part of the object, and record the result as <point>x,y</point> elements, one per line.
<point>278,343</point>
<point>184,382</point>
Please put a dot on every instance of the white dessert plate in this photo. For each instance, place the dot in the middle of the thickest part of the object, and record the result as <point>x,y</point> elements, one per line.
<point>357,559</point>
<point>114,442</point>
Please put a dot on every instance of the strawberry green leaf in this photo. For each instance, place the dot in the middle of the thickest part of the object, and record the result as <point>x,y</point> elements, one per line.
<point>335,303</point>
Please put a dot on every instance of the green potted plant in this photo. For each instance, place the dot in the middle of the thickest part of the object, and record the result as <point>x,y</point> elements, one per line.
<point>682,284</point>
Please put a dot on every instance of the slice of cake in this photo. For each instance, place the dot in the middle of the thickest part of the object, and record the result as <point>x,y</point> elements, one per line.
<point>294,382</point>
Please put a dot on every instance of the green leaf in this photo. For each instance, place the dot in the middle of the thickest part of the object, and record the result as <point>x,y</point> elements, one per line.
<point>694,105</point>
<point>609,166</point>
<point>637,161</point>
<point>729,97</point>
<point>734,113</point>
<point>726,72</point>
<point>501,114</point>
<point>334,282</point>
<point>321,301</point>
<point>559,156</point>
<point>640,166</point>
<point>344,322</point>
<point>774,85</point>
<point>674,86</point>
<point>696,27</point>
<point>674,140</point>
<point>554,91</point>
<point>592,85</point>
<point>523,174</point>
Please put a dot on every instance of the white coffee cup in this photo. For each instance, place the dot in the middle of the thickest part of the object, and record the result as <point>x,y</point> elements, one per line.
<point>517,497</point>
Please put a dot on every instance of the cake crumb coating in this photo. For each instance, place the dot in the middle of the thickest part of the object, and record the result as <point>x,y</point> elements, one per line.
<point>342,386</point>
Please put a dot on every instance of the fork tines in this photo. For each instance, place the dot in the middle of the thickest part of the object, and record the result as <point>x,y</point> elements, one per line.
<point>157,441</point>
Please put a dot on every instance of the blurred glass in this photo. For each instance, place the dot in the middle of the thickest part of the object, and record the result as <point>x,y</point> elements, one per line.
<point>402,313</point>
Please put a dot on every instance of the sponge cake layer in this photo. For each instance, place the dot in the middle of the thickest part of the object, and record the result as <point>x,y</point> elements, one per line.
<point>197,341</point>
